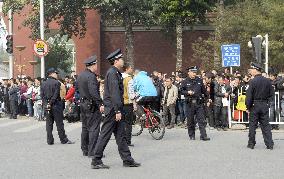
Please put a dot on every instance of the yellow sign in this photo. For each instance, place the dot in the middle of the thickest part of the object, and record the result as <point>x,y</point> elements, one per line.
<point>40,48</point>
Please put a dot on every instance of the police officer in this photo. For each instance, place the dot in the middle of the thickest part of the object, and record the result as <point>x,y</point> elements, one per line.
<point>50,93</point>
<point>259,93</point>
<point>114,121</point>
<point>90,106</point>
<point>195,92</point>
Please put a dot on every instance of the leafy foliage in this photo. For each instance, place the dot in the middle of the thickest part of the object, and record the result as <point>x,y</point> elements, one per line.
<point>238,23</point>
<point>70,15</point>
<point>59,56</point>
<point>187,11</point>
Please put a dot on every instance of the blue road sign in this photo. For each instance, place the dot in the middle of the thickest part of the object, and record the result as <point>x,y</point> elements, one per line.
<point>231,55</point>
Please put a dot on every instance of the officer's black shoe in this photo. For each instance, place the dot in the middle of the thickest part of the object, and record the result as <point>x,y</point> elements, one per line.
<point>250,146</point>
<point>204,138</point>
<point>68,142</point>
<point>270,147</point>
<point>192,138</point>
<point>50,143</point>
<point>99,166</point>
<point>131,164</point>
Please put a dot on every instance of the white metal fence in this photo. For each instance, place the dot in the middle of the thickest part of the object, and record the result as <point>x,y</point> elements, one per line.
<point>241,117</point>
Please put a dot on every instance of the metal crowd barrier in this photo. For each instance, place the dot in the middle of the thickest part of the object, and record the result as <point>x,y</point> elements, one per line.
<point>243,117</point>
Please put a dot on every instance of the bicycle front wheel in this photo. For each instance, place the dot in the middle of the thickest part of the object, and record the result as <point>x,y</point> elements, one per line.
<point>157,129</point>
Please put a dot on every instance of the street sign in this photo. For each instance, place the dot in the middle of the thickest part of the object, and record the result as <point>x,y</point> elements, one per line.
<point>40,48</point>
<point>231,55</point>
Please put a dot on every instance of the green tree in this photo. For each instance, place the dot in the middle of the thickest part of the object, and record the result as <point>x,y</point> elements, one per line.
<point>59,56</point>
<point>174,14</point>
<point>71,16</point>
<point>237,23</point>
<point>126,13</point>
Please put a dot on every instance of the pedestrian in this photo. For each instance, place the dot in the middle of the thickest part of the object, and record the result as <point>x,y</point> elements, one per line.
<point>13,98</point>
<point>114,121</point>
<point>50,93</point>
<point>169,102</point>
<point>181,103</point>
<point>258,96</point>
<point>196,95</point>
<point>91,106</point>
<point>128,101</point>
<point>221,103</point>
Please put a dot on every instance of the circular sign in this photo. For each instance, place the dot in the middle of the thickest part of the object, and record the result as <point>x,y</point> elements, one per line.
<point>40,48</point>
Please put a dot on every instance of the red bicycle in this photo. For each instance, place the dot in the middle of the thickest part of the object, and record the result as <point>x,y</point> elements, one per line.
<point>151,120</point>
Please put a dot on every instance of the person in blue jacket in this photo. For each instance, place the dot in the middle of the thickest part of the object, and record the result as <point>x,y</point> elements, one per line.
<point>144,89</point>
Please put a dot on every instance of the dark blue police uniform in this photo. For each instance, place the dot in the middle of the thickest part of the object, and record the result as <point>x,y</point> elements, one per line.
<point>195,105</point>
<point>259,93</point>
<point>113,104</point>
<point>90,102</point>
<point>50,93</point>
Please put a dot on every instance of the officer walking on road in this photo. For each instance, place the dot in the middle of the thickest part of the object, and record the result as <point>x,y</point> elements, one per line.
<point>114,121</point>
<point>50,93</point>
<point>258,95</point>
<point>91,106</point>
<point>195,92</point>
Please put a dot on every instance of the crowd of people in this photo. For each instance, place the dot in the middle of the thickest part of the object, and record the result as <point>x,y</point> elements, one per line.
<point>21,96</point>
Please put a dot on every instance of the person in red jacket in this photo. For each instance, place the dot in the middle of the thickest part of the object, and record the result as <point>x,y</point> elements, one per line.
<point>70,93</point>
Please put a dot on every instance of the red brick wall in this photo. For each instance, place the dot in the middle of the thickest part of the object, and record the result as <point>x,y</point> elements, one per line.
<point>153,51</point>
<point>85,47</point>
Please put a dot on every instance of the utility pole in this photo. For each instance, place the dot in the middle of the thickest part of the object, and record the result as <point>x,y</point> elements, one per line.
<point>266,53</point>
<point>10,32</point>
<point>42,65</point>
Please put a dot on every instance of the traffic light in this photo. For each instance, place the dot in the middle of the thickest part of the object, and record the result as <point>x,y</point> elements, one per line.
<point>256,45</point>
<point>9,44</point>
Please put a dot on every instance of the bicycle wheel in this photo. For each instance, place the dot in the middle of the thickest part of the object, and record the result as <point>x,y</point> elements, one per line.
<point>137,126</point>
<point>157,130</point>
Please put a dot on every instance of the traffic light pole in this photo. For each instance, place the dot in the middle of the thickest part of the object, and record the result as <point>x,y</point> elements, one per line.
<point>42,65</point>
<point>10,32</point>
<point>266,53</point>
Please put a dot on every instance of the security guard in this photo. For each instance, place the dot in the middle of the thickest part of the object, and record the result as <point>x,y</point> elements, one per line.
<point>195,92</point>
<point>259,93</point>
<point>90,106</point>
<point>114,121</point>
<point>50,90</point>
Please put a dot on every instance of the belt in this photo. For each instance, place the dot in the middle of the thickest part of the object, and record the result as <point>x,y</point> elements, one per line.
<point>261,100</point>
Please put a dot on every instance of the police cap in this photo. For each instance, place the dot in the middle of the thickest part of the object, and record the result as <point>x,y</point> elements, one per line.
<point>256,66</point>
<point>192,68</point>
<point>91,60</point>
<point>115,55</point>
<point>51,70</point>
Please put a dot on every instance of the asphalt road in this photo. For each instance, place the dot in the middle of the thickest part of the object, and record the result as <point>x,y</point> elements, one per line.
<point>25,154</point>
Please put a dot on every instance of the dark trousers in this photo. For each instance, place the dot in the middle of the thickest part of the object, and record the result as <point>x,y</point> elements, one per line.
<point>197,111</point>
<point>182,107</point>
<point>259,113</point>
<point>90,128</point>
<point>7,106</point>
<point>210,115</point>
<point>13,109</point>
<point>118,128</point>
<point>171,109</point>
<point>221,116</point>
<point>55,114</point>
<point>129,117</point>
